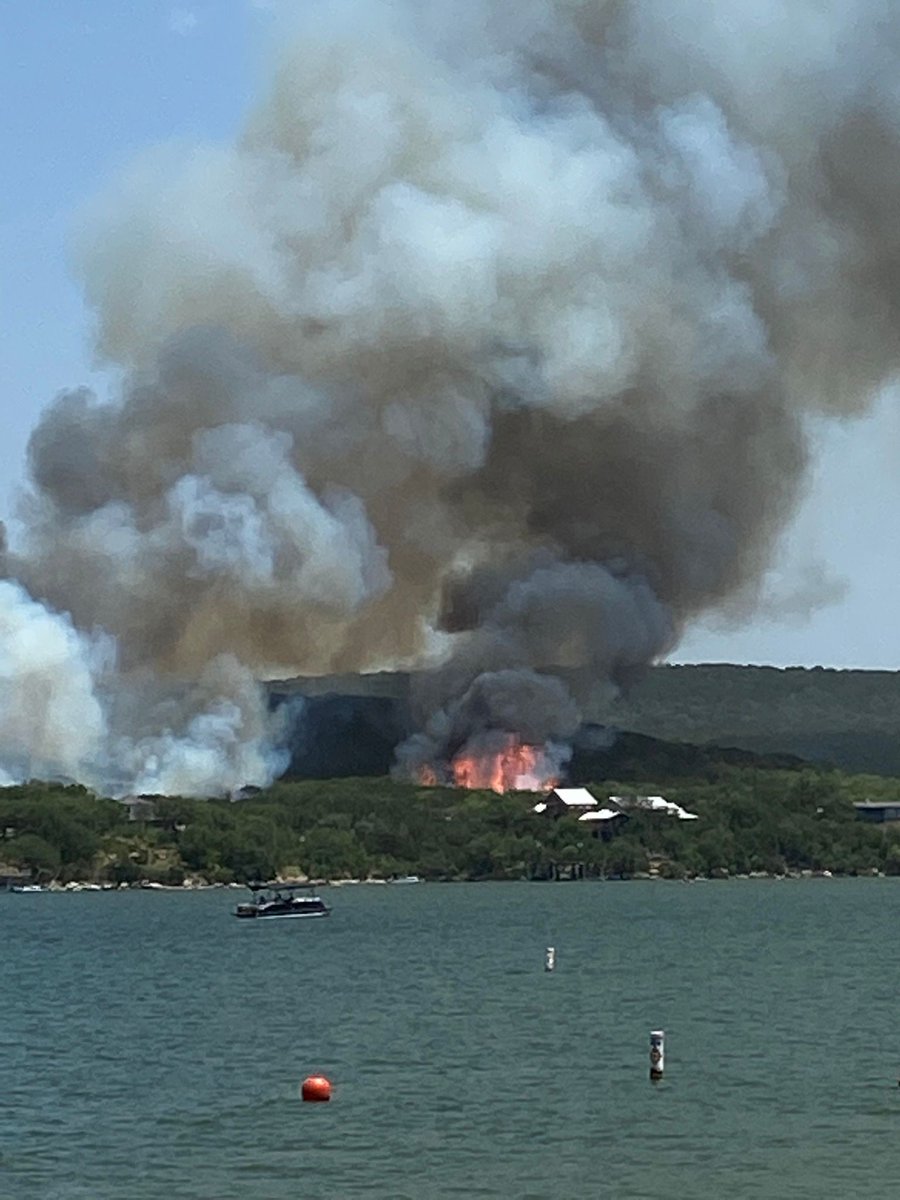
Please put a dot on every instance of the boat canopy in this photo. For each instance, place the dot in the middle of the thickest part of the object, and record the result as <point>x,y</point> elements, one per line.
<point>275,886</point>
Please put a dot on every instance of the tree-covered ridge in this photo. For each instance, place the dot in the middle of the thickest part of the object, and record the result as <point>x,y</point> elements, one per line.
<point>850,719</point>
<point>751,820</point>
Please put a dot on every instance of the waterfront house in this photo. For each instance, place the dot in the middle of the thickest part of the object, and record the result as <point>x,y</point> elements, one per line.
<point>11,877</point>
<point>139,808</point>
<point>877,812</point>
<point>656,804</point>
<point>601,816</point>
<point>604,822</point>
<point>572,802</point>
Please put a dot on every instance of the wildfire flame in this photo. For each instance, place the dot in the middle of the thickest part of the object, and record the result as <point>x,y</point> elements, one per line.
<point>514,767</point>
<point>510,766</point>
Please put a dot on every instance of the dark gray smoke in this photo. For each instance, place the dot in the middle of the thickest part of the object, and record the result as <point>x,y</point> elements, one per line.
<point>489,343</point>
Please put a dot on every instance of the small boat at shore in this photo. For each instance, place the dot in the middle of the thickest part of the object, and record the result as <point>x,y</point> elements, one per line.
<point>271,901</point>
<point>27,887</point>
<point>406,879</point>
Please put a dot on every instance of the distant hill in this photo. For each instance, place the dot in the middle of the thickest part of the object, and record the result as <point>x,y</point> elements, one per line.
<point>350,724</point>
<point>601,753</point>
<point>849,719</point>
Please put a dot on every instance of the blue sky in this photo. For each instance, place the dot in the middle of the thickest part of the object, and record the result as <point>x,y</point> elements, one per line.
<point>86,84</point>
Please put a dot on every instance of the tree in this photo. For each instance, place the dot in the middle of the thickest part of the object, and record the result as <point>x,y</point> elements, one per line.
<point>329,853</point>
<point>35,853</point>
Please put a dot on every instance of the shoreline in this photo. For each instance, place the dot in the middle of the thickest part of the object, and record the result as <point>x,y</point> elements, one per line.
<point>638,877</point>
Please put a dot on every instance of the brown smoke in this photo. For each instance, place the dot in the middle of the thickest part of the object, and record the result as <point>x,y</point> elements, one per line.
<point>492,336</point>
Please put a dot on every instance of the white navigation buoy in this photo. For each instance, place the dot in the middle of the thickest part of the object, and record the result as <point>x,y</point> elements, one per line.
<point>550,960</point>
<point>657,1053</point>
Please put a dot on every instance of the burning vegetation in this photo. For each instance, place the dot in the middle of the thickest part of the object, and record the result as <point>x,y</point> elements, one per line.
<point>513,767</point>
<point>499,762</point>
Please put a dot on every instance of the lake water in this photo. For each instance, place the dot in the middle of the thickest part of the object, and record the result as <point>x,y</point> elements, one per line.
<point>151,1046</point>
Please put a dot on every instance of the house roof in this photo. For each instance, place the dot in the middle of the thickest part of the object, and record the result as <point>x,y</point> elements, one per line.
<point>602,814</point>
<point>655,804</point>
<point>575,797</point>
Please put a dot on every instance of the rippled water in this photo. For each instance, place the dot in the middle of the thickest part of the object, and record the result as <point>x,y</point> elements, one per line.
<point>151,1046</point>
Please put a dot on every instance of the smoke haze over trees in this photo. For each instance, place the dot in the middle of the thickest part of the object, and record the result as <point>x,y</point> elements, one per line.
<point>487,346</point>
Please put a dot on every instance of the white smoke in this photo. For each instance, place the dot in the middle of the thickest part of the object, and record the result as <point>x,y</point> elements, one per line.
<point>501,320</point>
<point>210,738</point>
<point>66,713</point>
<point>51,723</point>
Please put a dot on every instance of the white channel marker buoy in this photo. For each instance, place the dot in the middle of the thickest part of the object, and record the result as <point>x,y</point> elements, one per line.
<point>657,1054</point>
<point>550,960</point>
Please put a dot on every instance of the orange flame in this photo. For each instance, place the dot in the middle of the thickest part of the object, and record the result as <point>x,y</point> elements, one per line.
<point>514,767</point>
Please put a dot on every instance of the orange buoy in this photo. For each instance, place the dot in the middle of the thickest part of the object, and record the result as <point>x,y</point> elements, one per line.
<point>315,1088</point>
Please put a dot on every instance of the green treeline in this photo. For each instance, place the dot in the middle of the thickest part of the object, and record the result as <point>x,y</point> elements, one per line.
<point>751,820</point>
<point>846,719</point>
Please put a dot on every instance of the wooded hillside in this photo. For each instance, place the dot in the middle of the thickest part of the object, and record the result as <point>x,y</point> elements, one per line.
<point>850,719</point>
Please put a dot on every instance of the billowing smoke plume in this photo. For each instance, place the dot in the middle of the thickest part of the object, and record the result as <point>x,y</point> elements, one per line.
<point>499,321</point>
<point>49,715</point>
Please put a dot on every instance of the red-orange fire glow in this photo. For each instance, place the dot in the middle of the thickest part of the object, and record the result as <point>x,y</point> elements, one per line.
<point>514,767</point>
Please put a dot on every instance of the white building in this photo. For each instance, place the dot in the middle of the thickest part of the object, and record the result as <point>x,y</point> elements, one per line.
<point>579,803</point>
<point>601,816</point>
<point>658,804</point>
<point>567,802</point>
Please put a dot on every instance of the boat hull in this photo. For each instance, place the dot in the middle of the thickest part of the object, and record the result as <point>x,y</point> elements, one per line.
<point>258,912</point>
<point>285,916</point>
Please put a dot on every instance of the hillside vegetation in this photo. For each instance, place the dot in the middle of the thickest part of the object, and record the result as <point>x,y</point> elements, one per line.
<point>771,820</point>
<point>849,719</point>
